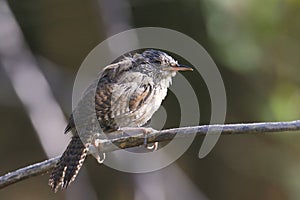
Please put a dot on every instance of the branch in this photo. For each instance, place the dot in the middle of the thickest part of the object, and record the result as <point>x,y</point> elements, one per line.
<point>156,136</point>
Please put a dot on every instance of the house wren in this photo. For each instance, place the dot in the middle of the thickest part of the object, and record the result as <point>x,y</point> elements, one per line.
<point>127,95</point>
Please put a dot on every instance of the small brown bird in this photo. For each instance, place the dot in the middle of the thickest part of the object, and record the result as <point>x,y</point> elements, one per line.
<point>127,95</point>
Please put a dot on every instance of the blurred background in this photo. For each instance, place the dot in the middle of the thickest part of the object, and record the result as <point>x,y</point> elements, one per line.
<point>254,43</point>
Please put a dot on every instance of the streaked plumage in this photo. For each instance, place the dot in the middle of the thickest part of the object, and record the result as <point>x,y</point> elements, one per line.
<point>127,95</point>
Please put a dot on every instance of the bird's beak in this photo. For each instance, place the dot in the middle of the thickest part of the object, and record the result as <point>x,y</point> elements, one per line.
<point>179,67</point>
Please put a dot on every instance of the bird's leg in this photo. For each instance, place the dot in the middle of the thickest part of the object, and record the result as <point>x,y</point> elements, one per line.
<point>145,131</point>
<point>94,149</point>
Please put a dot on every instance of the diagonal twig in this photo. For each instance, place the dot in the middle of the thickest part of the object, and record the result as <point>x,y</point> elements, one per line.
<point>156,136</point>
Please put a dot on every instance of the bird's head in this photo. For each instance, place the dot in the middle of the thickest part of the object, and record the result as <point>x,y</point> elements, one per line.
<point>156,64</point>
<point>162,63</point>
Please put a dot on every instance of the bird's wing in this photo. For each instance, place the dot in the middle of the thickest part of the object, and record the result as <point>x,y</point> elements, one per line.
<point>131,93</point>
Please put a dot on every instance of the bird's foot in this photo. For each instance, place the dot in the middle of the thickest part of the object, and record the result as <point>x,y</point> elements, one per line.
<point>152,147</point>
<point>146,131</point>
<point>94,150</point>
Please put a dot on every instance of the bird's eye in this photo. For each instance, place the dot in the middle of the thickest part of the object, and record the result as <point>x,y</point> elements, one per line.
<point>157,62</point>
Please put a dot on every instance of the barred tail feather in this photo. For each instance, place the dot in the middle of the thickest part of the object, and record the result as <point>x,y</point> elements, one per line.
<point>68,165</point>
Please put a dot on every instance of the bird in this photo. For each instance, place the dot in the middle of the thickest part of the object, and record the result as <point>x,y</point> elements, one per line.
<point>127,94</point>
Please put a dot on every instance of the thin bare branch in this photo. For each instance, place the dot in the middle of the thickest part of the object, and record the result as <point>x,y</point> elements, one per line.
<point>156,136</point>
<point>27,172</point>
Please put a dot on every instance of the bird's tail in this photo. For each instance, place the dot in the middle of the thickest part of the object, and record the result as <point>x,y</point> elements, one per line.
<point>68,165</point>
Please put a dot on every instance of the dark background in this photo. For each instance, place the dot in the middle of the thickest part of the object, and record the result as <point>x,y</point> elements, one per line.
<point>255,45</point>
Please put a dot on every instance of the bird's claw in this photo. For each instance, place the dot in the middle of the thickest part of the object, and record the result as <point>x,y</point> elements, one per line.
<point>152,147</point>
<point>146,131</point>
<point>93,149</point>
